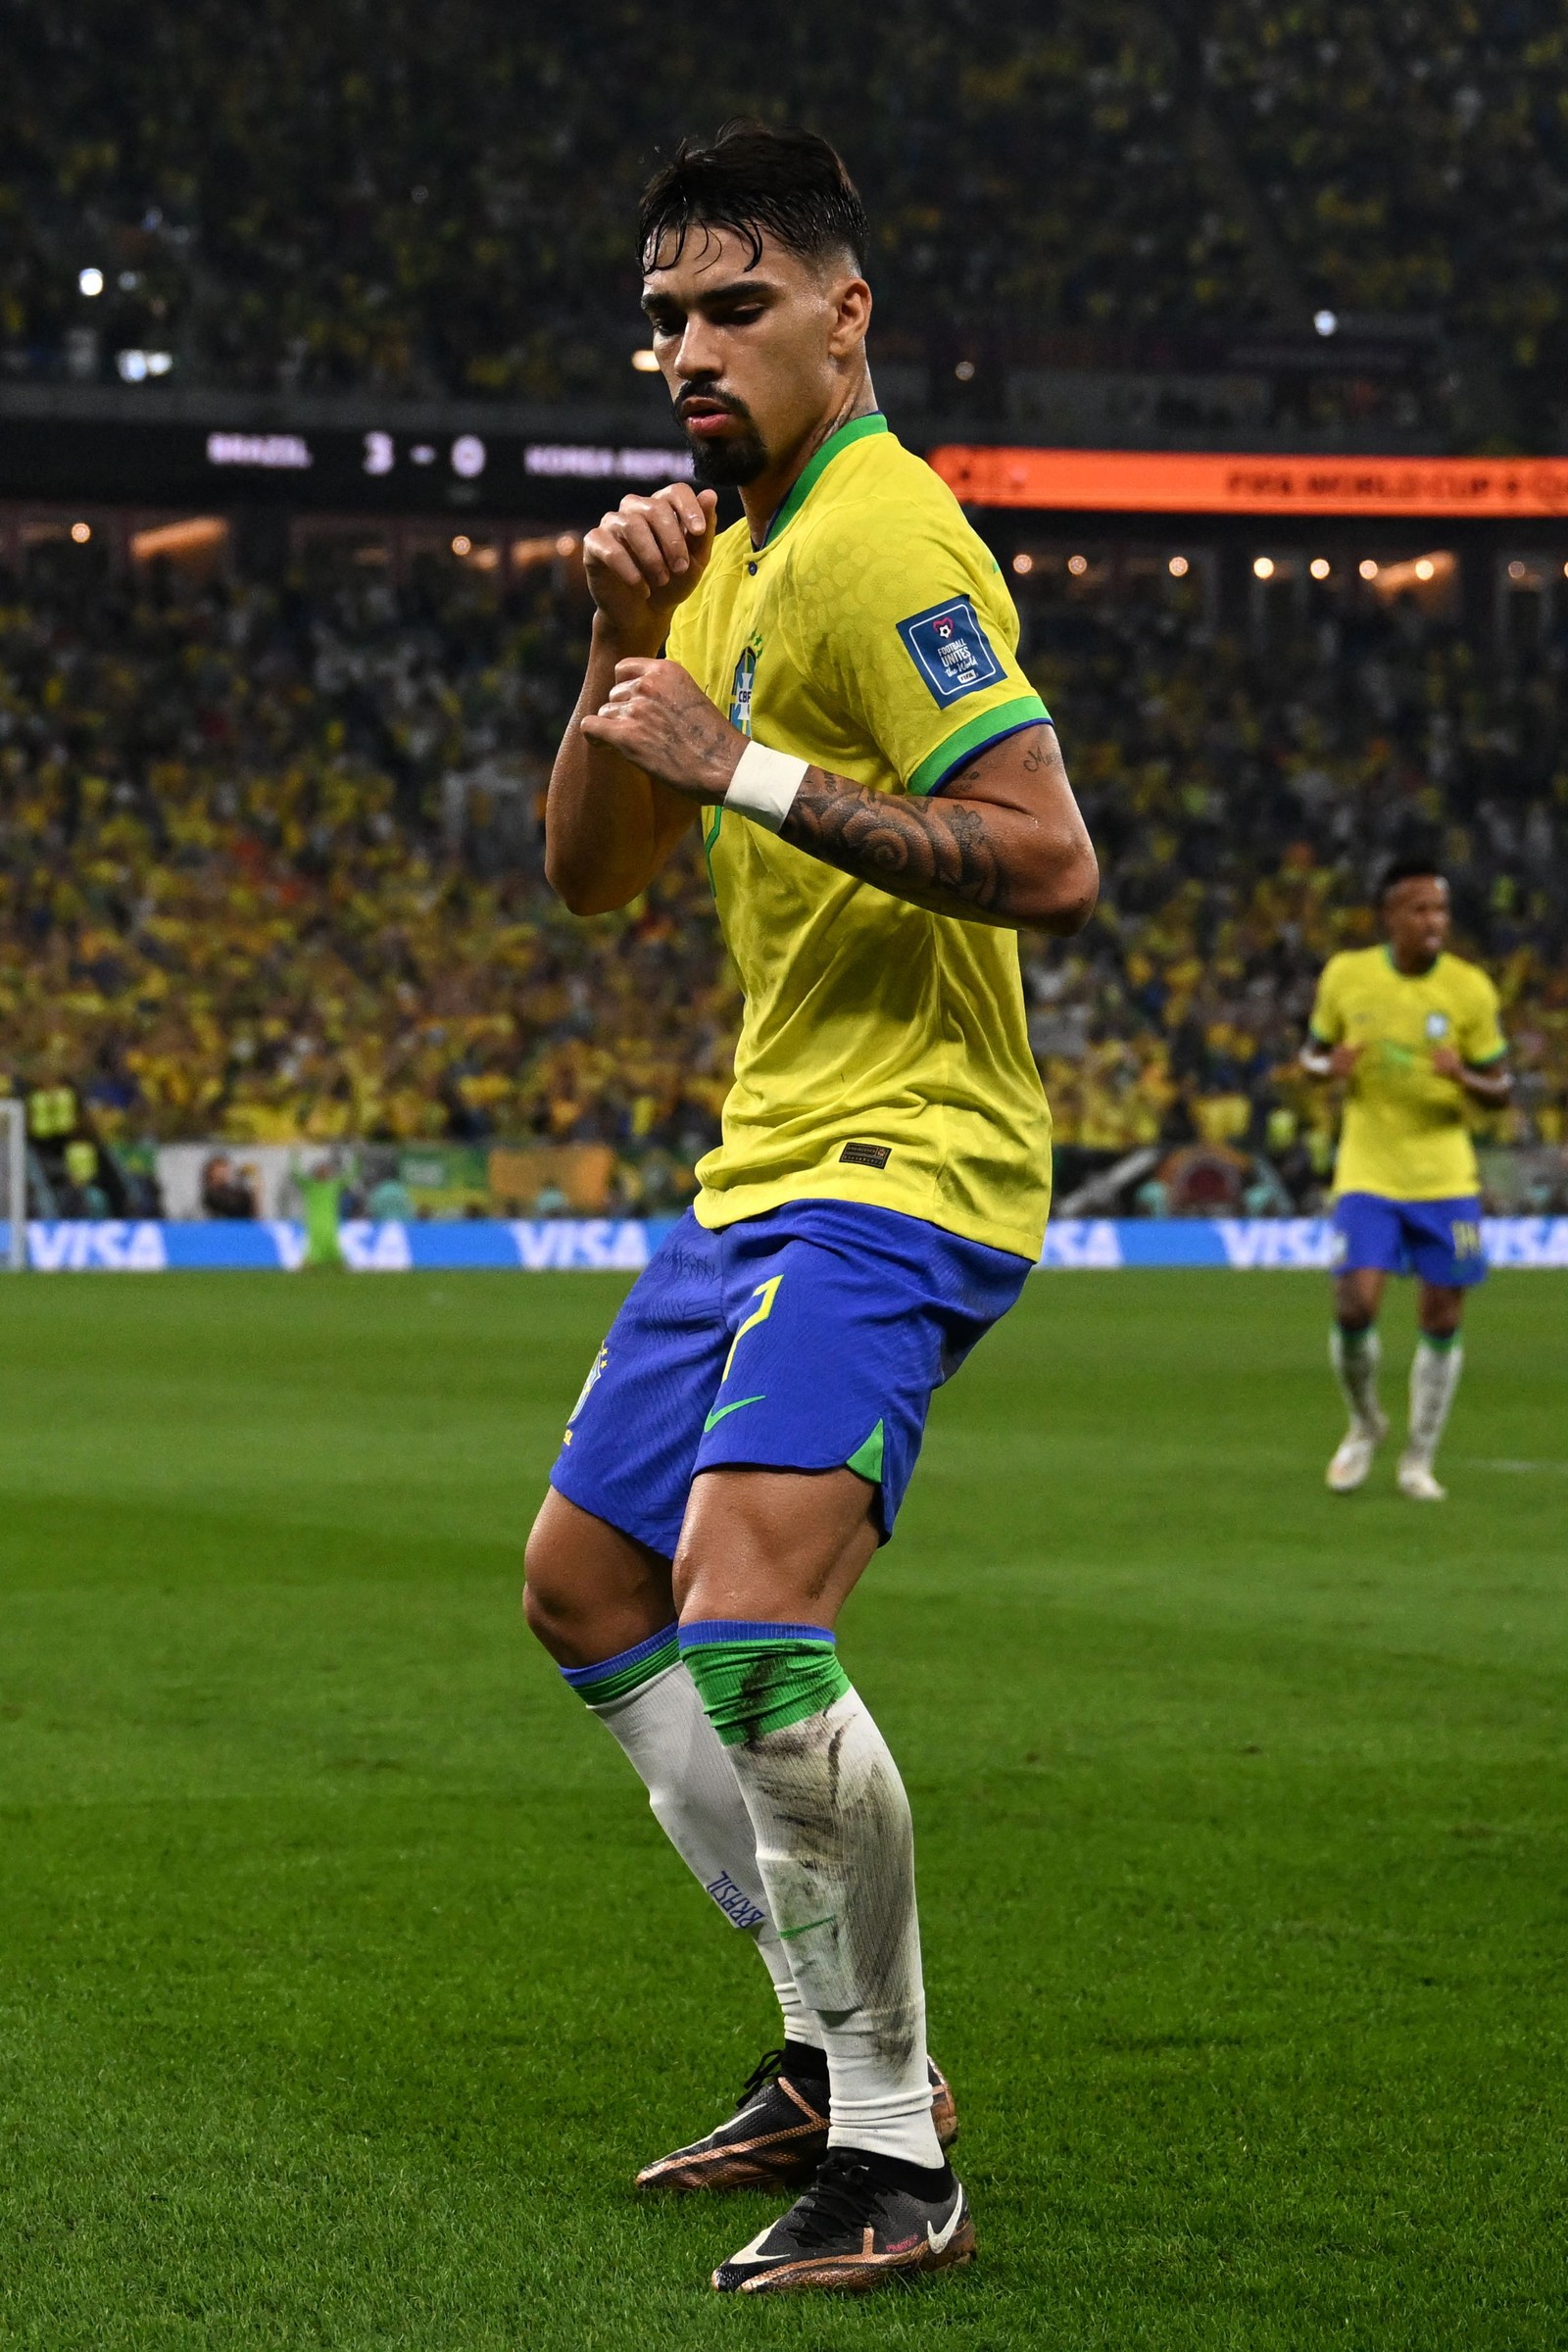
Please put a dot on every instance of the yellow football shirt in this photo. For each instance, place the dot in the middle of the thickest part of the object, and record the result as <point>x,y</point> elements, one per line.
<point>1405,1134</point>
<point>884,1052</point>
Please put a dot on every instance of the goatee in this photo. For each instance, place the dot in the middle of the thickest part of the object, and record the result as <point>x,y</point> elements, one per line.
<point>728,463</point>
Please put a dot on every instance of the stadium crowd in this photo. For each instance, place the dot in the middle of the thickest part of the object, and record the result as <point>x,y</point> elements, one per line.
<point>439,202</point>
<point>270,868</point>
<point>436,201</point>
<point>1414,160</point>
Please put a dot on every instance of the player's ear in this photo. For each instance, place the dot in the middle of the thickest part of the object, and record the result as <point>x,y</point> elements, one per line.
<point>850,298</point>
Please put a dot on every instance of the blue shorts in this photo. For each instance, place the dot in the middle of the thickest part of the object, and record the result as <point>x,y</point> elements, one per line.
<point>1437,1239</point>
<point>809,1339</point>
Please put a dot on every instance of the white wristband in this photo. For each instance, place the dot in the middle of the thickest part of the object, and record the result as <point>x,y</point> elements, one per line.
<point>764,784</point>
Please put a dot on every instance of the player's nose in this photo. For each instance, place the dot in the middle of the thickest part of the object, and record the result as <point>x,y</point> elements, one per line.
<point>699,355</point>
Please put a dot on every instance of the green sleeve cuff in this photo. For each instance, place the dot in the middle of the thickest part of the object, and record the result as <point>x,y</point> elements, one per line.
<point>1484,1062</point>
<point>1004,719</point>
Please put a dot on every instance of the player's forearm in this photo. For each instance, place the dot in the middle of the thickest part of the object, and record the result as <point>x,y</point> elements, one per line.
<point>980,862</point>
<point>608,826</point>
<point>1491,1088</point>
<point>1317,1061</point>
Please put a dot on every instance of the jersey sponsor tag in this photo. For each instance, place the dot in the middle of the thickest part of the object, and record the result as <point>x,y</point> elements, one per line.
<point>950,651</point>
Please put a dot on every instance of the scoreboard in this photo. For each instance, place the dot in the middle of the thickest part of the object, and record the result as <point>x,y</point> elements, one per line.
<point>375,470</point>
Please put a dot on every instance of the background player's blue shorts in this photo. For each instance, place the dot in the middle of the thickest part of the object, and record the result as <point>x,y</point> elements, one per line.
<point>1437,1239</point>
<point>809,1338</point>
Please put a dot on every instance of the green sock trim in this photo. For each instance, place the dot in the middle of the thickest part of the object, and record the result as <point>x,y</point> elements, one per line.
<point>750,1687</point>
<point>615,1678</point>
<point>1440,1342</point>
<point>1354,1340</point>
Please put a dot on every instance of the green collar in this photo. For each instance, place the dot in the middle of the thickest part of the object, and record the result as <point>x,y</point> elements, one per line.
<point>1388,957</point>
<point>859,428</point>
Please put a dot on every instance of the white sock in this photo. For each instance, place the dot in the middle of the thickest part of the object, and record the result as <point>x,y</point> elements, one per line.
<point>836,1850</point>
<point>1356,1357</point>
<point>697,1801</point>
<point>1434,1377</point>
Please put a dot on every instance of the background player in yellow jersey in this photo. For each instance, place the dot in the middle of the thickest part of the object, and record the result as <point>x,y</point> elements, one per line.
<point>1413,1033</point>
<point>832,688</point>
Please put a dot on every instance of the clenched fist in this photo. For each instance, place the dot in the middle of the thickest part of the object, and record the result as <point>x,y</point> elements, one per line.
<point>646,559</point>
<point>660,718</point>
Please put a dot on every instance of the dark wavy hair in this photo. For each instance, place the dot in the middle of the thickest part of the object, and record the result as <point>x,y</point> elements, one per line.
<point>756,181</point>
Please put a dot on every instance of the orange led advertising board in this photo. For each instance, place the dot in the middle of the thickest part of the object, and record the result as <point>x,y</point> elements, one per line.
<point>1139,481</point>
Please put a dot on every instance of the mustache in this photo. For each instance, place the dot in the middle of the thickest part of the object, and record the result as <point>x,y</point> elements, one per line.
<point>713,398</point>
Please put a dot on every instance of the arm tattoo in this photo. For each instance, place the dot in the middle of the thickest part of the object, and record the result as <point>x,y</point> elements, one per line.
<point>939,853</point>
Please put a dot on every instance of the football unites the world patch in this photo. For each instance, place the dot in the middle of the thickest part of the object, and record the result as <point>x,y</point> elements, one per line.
<point>951,650</point>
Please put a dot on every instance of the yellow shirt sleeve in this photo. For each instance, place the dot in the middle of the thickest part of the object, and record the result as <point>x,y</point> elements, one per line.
<point>1327,1023</point>
<point>914,634</point>
<point>1480,1039</point>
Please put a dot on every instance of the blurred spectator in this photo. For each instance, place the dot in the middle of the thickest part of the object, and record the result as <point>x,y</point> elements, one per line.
<point>389,1202</point>
<point>227,1191</point>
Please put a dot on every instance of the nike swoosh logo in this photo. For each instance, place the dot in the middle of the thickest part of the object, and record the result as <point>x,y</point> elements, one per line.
<point>718,1412</point>
<point>941,2239</point>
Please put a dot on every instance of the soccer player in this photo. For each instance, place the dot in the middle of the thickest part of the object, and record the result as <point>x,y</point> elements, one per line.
<point>831,689</point>
<point>1413,1031</point>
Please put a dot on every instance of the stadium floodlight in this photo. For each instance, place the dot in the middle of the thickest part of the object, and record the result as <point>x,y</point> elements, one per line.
<point>1327,323</point>
<point>1264,567</point>
<point>89,281</point>
<point>1320,568</point>
<point>81,532</point>
<point>1178,567</point>
<point>136,366</point>
<point>1367,567</point>
<point>644,361</point>
<point>13,1183</point>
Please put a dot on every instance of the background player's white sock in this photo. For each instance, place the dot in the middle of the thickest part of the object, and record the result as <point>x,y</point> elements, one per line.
<point>1356,1357</point>
<point>648,1700</point>
<point>836,1850</point>
<point>1433,1376</point>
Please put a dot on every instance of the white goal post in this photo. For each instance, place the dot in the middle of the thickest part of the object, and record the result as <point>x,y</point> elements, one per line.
<point>13,1181</point>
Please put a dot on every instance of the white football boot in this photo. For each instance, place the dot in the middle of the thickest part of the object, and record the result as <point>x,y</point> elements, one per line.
<point>1415,1479</point>
<point>1352,1458</point>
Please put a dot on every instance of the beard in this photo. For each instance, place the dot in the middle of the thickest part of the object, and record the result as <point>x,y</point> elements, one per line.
<point>728,463</point>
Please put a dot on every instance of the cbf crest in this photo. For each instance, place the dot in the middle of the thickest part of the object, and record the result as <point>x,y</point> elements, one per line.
<point>740,693</point>
<point>1437,1027</point>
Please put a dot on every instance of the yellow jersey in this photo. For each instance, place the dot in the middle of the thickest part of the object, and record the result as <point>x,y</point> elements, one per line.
<point>1405,1134</point>
<point>884,1052</point>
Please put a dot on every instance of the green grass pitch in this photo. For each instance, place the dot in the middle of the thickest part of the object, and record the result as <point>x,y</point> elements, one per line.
<point>345,1979</point>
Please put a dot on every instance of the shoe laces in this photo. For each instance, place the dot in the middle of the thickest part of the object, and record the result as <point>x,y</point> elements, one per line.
<point>767,2071</point>
<point>841,2200</point>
